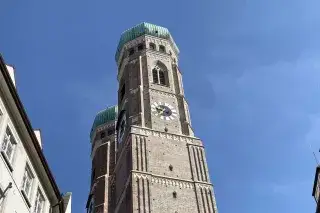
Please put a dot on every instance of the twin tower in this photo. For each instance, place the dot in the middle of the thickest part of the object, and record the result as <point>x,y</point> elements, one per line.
<point>145,157</point>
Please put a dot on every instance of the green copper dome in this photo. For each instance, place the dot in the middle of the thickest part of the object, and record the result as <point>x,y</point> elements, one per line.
<point>144,29</point>
<point>104,116</point>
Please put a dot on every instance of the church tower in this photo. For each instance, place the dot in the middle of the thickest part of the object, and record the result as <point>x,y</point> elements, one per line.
<point>103,156</point>
<point>145,157</point>
<point>160,165</point>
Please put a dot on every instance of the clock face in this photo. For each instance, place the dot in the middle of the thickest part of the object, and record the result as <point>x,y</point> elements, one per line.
<point>122,128</point>
<point>164,111</point>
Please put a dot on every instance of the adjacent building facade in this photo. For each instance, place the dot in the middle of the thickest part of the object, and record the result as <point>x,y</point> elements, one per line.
<point>145,156</point>
<point>26,182</point>
<point>316,189</point>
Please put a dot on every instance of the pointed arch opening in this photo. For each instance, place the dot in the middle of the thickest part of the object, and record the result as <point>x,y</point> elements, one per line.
<point>152,46</point>
<point>160,74</point>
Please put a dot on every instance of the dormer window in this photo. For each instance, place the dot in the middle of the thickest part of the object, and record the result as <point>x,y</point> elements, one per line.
<point>152,46</point>
<point>162,48</point>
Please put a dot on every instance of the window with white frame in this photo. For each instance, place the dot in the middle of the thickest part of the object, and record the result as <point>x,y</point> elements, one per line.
<point>27,182</point>
<point>39,203</point>
<point>8,145</point>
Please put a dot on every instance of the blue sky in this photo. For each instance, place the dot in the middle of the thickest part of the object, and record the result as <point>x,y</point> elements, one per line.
<point>251,76</point>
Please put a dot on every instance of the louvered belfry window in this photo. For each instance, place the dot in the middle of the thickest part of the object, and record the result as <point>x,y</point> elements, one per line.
<point>159,76</point>
<point>155,76</point>
<point>162,79</point>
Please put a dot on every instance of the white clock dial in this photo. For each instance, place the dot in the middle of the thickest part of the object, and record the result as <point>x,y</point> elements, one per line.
<point>164,110</point>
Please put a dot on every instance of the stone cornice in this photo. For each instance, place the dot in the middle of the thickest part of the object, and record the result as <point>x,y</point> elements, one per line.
<point>161,92</point>
<point>158,55</point>
<point>170,181</point>
<point>100,128</point>
<point>150,132</point>
<point>167,94</point>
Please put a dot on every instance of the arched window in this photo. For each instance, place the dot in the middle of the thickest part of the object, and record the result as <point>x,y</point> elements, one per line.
<point>162,79</point>
<point>162,48</point>
<point>152,46</point>
<point>174,194</point>
<point>159,76</point>
<point>140,47</point>
<point>131,51</point>
<point>155,76</point>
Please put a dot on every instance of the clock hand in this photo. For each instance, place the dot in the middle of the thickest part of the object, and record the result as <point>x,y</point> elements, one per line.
<point>162,111</point>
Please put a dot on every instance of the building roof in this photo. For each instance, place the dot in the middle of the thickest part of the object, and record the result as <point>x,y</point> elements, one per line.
<point>28,126</point>
<point>144,28</point>
<point>104,116</point>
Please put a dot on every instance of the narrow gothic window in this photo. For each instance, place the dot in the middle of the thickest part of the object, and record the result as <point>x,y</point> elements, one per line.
<point>140,47</point>
<point>131,51</point>
<point>110,131</point>
<point>122,127</point>
<point>155,76</point>
<point>102,135</point>
<point>152,46</point>
<point>162,77</point>
<point>93,175</point>
<point>174,194</point>
<point>162,48</point>
<point>122,92</point>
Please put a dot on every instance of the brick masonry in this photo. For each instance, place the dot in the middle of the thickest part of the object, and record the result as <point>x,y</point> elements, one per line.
<point>159,166</point>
